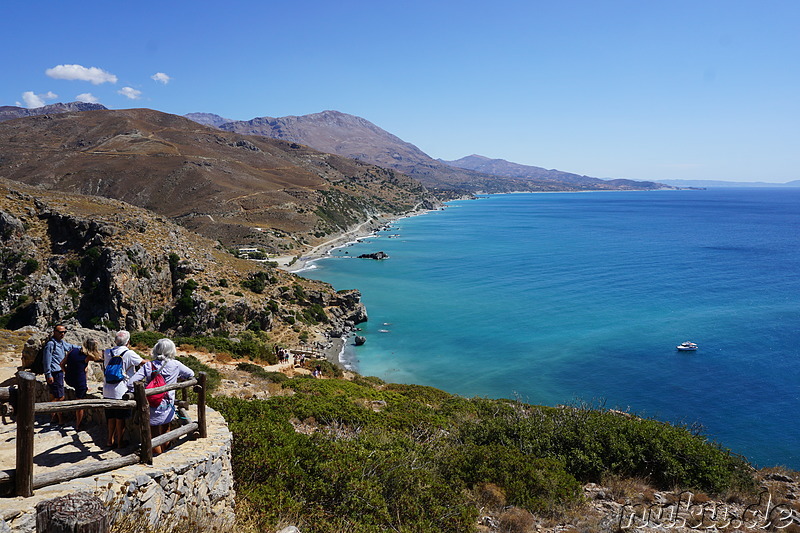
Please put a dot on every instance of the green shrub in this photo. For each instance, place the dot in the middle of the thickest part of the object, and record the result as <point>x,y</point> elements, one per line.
<point>387,457</point>
<point>256,282</point>
<point>31,266</point>
<point>145,338</point>
<point>213,377</point>
<point>328,369</point>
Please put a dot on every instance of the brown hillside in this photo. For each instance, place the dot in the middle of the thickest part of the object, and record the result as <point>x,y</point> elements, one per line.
<point>236,188</point>
<point>357,138</point>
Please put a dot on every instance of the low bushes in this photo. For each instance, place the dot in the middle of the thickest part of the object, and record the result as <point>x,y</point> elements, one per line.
<point>376,457</point>
<point>248,344</point>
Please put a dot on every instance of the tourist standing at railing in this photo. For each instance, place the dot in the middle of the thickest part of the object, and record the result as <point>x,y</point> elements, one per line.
<point>114,389</point>
<point>75,366</point>
<point>54,351</point>
<point>171,370</point>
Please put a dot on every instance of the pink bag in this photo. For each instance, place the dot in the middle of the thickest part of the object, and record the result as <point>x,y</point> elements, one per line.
<point>156,380</point>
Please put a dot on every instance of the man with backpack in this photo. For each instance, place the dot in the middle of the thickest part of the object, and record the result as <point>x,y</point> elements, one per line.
<point>54,351</point>
<point>119,364</point>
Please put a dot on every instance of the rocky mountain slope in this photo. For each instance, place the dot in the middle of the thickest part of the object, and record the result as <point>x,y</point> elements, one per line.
<point>357,138</point>
<point>241,190</point>
<point>12,112</point>
<point>209,119</point>
<point>103,263</point>
<point>501,167</point>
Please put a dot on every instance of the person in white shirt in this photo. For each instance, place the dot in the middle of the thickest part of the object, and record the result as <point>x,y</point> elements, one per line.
<point>130,361</point>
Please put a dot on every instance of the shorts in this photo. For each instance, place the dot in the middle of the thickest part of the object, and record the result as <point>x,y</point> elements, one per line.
<point>80,393</point>
<point>57,386</point>
<point>120,414</point>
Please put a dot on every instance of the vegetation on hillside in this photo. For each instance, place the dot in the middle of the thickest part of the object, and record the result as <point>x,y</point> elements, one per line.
<point>368,456</point>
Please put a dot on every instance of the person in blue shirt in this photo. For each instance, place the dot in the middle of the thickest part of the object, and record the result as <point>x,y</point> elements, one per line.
<point>54,351</point>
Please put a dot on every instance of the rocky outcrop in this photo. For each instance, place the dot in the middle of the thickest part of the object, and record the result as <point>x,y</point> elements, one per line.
<point>103,264</point>
<point>374,255</point>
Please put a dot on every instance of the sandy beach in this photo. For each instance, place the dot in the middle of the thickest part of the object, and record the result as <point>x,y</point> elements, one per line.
<point>291,263</point>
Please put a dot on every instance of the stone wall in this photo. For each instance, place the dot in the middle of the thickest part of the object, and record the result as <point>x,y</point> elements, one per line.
<point>193,479</point>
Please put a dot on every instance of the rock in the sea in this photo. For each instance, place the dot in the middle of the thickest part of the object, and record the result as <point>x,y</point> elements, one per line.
<point>374,255</point>
<point>360,340</point>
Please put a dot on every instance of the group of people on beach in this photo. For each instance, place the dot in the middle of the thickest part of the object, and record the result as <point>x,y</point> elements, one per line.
<point>69,363</point>
<point>284,355</point>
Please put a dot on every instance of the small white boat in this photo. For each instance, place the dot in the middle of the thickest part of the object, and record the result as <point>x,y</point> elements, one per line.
<point>687,346</point>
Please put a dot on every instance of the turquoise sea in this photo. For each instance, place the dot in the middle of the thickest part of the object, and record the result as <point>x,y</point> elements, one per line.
<point>582,297</point>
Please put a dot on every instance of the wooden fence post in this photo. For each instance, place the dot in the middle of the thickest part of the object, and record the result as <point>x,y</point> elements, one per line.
<point>143,408</point>
<point>26,399</point>
<point>201,404</point>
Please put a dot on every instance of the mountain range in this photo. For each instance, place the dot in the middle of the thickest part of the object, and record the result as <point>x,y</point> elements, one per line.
<point>722,183</point>
<point>11,112</point>
<point>501,167</point>
<point>283,184</point>
<point>357,138</point>
<point>238,189</point>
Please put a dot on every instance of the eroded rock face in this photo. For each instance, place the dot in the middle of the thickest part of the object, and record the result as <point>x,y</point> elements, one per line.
<point>106,265</point>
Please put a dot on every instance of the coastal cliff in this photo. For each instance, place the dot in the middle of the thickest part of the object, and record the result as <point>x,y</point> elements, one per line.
<point>103,263</point>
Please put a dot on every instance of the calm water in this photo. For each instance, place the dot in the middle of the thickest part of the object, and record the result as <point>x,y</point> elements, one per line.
<point>558,297</point>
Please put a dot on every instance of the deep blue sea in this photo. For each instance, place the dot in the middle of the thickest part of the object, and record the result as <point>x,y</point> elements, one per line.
<point>565,297</point>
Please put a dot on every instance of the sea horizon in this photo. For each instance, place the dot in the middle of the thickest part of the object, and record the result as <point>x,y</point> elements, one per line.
<point>571,298</point>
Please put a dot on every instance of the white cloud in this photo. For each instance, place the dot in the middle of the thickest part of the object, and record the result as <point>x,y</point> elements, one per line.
<point>130,92</point>
<point>33,100</point>
<point>87,98</point>
<point>78,72</point>
<point>161,77</point>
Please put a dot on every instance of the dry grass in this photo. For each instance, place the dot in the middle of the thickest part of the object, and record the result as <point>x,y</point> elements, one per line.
<point>140,523</point>
<point>490,496</point>
<point>626,488</point>
<point>13,341</point>
<point>515,520</point>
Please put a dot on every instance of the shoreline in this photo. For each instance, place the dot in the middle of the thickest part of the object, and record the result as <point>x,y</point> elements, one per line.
<point>367,228</point>
<point>335,346</point>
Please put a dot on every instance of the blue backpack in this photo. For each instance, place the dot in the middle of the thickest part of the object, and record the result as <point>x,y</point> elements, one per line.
<point>114,372</point>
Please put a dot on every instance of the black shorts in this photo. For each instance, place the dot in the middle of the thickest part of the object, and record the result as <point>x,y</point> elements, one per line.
<point>80,393</point>
<point>57,386</point>
<point>119,414</point>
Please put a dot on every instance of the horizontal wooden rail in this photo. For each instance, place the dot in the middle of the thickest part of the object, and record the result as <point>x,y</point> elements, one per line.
<point>174,434</point>
<point>74,472</point>
<point>22,482</point>
<point>172,386</point>
<point>73,405</point>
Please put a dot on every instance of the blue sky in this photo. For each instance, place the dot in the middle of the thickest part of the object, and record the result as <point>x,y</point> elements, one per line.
<point>631,89</point>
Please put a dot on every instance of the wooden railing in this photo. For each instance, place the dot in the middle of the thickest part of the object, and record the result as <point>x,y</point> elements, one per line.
<point>21,481</point>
